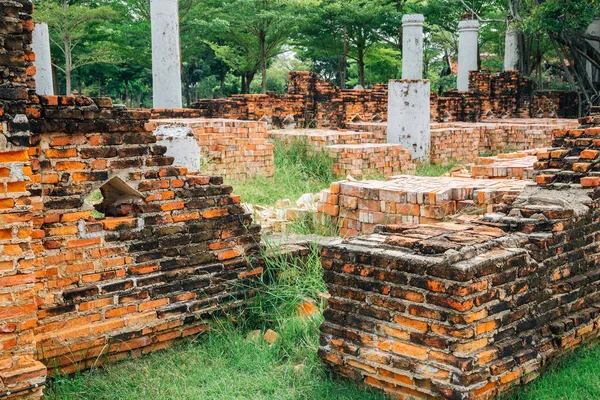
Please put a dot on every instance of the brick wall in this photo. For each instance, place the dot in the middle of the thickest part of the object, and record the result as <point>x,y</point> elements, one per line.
<point>149,272</point>
<point>237,150</point>
<point>19,371</point>
<point>313,102</point>
<point>471,311</point>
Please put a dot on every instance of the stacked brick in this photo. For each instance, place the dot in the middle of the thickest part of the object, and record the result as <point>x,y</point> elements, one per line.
<point>358,207</point>
<point>21,375</point>
<point>506,166</point>
<point>353,153</point>
<point>464,142</point>
<point>575,157</point>
<point>237,150</point>
<point>470,311</point>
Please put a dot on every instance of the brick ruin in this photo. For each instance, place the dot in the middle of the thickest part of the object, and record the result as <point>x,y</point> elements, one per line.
<point>110,247</point>
<point>468,311</point>
<point>312,102</point>
<point>169,249</point>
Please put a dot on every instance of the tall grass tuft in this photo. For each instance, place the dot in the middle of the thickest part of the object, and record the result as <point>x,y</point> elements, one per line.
<point>298,170</point>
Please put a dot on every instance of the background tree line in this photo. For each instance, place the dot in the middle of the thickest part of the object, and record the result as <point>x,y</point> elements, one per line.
<point>103,47</point>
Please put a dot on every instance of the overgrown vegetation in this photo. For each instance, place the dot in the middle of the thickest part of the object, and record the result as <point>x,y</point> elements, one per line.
<point>224,363</point>
<point>428,169</point>
<point>298,170</point>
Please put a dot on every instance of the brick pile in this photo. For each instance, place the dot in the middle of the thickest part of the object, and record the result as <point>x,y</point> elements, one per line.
<point>315,103</point>
<point>506,166</point>
<point>237,150</point>
<point>471,311</point>
<point>357,207</point>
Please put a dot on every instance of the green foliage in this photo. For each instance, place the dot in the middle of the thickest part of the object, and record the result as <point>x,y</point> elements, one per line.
<point>435,169</point>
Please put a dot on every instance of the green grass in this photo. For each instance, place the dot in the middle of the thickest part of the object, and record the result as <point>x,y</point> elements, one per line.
<point>434,169</point>
<point>574,377</point>
<point>297,171</point>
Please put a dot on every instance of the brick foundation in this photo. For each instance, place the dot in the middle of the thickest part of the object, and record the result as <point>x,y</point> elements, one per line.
<point>471,311</point>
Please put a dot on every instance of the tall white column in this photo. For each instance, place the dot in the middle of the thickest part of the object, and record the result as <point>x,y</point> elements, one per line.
<point>412,46</point>
<point>594,30</point>
<point>166,62</point>
<point>511,50</point>
<point>409,116</point>
<point>468,32</point>
<point>43,60</point>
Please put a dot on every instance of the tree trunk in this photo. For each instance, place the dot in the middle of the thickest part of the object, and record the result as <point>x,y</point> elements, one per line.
<point>68,68</point>
<point>361,66</point>
<point>263,63</point>
<point>344,61</point>
<point>243,84</point>
<point>127,92</point>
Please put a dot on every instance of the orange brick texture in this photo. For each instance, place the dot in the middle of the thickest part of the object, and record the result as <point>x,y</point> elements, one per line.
<point>76,290</point>
<point>463,142</point>
<point>313,102</point>
<point>471,311</point>
<point>127,285</point>
<point>358,207</point>
<point>237,150</point>
<point>21,375</point>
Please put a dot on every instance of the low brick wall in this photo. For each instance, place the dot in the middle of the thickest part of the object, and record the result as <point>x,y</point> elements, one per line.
<point>237,150</point>
<point>370,159</point>
<point>357,207</point>
<point>463,142</point>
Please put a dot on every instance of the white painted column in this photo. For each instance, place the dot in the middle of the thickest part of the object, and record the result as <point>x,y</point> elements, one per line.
<point>511,50</point>
<point>40,45</point>
<point>409,114</point>
<point>468,33</point>
<point>412,46</point>
<point>166,62</point>
<point>594,30</point>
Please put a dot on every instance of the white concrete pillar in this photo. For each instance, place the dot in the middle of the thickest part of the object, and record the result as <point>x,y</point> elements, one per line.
<point>412,46</point>
<point>594,30</point>
<point>166,62</point>
<point>468,33</point>
<point>40,45</point>
<point>511,50</point>
<point>409,114</point>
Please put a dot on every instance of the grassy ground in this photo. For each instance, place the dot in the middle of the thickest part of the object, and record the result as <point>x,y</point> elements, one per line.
<point>297,171</point>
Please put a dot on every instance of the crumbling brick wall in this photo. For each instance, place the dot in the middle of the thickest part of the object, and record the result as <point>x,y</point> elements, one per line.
<point>155,266</point>
<point>314,103</point>
<point>471,311</point>
<point>78,287</point>
<point>20,373</point>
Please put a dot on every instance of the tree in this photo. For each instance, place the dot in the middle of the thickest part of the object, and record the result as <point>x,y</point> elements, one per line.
<point>72,24</point>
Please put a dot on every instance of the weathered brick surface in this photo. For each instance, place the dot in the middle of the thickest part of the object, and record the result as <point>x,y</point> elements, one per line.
<point>463,142</point>
<point>312,102</point>
<point>127,284</point>
<point>238,150</point>
<point>20,373</point>
<point>357,207</point>
<point>173,249</point>
<point>470,311</point>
